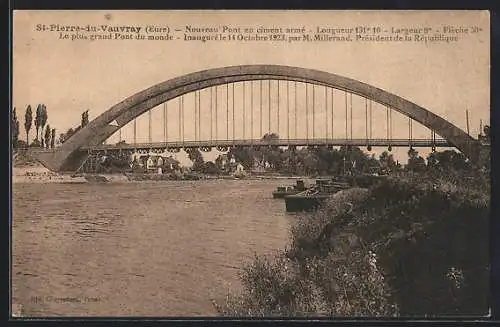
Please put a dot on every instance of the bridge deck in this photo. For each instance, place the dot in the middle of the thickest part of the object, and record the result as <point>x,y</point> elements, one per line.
<point>281,142</point>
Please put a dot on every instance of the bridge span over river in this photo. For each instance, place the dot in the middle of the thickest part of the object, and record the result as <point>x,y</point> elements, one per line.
<point>237,105</point>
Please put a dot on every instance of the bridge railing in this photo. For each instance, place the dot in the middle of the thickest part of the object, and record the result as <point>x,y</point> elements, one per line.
<point>278,142</point>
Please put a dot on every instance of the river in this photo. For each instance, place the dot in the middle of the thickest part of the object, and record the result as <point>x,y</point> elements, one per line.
<point>139,249</point>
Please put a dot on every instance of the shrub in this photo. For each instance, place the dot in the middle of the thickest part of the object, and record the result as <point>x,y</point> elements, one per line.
<point>409,245</point>
<point>273,287</point>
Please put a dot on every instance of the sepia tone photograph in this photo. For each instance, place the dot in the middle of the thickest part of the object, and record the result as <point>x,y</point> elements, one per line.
<point>250,164</point>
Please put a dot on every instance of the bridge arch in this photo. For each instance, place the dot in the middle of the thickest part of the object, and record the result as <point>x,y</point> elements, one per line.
<point>67,157</point>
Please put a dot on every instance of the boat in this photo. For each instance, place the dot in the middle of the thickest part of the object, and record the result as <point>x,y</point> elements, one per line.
<point>94,178</point>
<point>282,191</point>
<point>314,197</point>
<point>191,176</point>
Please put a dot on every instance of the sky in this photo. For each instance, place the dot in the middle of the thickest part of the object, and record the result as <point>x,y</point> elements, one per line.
<point>70,77</point>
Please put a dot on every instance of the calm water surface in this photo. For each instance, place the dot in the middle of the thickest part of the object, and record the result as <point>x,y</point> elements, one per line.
<point>138,249</point>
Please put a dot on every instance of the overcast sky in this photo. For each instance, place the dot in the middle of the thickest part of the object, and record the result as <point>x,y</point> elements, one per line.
<point>72,76</point>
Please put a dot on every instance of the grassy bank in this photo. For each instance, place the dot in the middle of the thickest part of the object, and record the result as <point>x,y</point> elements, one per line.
<point>409,245</point>
<point>22,158</point>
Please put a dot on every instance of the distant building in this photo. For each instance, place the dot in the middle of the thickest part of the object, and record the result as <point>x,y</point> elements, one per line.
<point>258,166</point>
<point>239,168</point>
<point>150,163</point>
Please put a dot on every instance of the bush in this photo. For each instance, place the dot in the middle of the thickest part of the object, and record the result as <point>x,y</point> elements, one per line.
<point>272,287</point>
<point>409,245</point>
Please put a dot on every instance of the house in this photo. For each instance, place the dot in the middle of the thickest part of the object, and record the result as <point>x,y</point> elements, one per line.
<point>150,163</point>
<point>135,160</point>
<point>239,169</point>
<point>258,166</point>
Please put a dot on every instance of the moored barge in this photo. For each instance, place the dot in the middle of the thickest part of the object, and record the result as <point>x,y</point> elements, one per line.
<point>313,198</point>
<point>282,191</point>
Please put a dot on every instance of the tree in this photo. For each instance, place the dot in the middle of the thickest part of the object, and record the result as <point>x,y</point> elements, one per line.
<point>53,138</point>
<point>63,137</point>
<point>222,162</point>
<point>310,163</point>
<point>196,157</point>
<point>271,153</point>
<point>355,159</point>
<point>274,158</point>
<point>387,161</point>
<point>322,155</point>
<point>412,154</point>
<point>210,168</point>
<point>374,164</point>
<point>38,120</point>
<point>85,118</point>
<point>448,160</point>
<point>47,137</point>
<point>242,155</point>
<point>329,160</point>
<point>28,120</point>
<point>286,161</point>
<point>43,121</point>
<point>486,136</point>
<point>307,162</point>
<point>415,162</point>
<point>15,129</point>
<point>270,137</point>
<point>432,161</point>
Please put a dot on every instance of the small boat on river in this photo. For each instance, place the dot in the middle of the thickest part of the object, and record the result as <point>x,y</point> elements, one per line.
<point>314,197</point>
<point>282,191</point>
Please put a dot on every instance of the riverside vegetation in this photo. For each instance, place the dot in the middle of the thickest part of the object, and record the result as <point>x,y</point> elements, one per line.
<point>411,245</point>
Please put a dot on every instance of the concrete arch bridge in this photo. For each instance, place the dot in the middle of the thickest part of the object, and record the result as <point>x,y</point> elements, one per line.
<point>237,105</point>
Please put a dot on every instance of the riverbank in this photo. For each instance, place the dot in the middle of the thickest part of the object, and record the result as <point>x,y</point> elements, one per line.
<point>38,174</point>
<point>410,246</point>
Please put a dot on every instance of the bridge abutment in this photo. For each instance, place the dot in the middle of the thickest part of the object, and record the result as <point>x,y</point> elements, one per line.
<point>60,161</point>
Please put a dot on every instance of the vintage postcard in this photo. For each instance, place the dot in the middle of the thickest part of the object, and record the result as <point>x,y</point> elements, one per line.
<point>250,163</point>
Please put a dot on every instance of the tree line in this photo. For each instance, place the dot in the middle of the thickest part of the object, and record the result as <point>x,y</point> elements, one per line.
<point>324,160</point>
<point>319,160</point>
<point>44,136</point>
<point>83,122</point>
